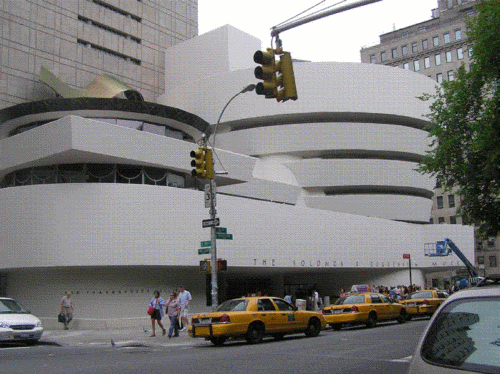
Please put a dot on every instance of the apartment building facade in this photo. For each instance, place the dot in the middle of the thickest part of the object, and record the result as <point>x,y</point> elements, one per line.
<point>437,48</point>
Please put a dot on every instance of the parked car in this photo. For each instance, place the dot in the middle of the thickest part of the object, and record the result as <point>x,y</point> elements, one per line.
<point>463,336</point>
<point>17,324</point>
<point>424,302</point>
<point>253,318</point>
<point>365,308</point>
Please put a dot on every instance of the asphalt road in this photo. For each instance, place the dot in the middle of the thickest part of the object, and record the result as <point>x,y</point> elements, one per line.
<point>386,348</point>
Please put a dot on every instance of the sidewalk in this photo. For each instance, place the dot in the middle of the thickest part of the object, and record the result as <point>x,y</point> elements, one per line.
<point>118,338</point>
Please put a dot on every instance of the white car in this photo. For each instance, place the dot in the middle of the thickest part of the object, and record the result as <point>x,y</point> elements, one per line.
<point>17,324</point>
<point>463,336</point>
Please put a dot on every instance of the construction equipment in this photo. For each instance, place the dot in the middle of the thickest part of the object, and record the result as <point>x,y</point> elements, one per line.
<point>444,248</point>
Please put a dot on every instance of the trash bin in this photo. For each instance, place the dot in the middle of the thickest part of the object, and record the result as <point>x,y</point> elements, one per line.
<point>301,304</point>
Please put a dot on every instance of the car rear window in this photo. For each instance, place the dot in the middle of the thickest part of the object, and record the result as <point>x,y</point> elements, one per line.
<point>233,306</point>
<point>466,335</point>
<point>353,299</point>
<point>421,295</point>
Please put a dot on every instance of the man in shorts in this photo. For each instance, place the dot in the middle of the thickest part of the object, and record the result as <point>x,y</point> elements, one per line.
<point>184,298</point>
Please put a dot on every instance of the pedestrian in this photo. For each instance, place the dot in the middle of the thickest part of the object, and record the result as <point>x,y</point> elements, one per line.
<point>316,300</point>
<point>184,298</point>
<point>67,309</point>
<point>173,311</point>
<point>157,303</point>
<point>288,297</point>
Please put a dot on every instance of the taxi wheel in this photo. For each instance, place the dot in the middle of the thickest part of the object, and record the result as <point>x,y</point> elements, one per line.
<point>255,334</point>
<point>372,320</point>
<point>313,328</point>
<point>218,341</point>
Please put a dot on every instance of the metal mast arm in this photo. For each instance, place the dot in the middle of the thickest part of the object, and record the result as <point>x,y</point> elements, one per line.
<point>313,17</point>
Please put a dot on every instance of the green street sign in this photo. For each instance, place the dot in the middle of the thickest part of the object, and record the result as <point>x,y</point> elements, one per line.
<point>208,243</point>
<point>221,230</point>
<point>224,236</point>
<point>203,251</point>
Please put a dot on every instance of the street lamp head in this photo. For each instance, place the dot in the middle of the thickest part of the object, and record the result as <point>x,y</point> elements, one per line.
<point>248,88</point>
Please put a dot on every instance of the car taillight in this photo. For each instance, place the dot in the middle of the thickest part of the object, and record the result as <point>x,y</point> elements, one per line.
<point>225,318</point>
<point>323,311</point>
<point>354,308</point>
<point>425,302</point>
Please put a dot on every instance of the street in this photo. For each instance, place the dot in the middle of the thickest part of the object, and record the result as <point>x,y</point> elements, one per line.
<point>386,348</point>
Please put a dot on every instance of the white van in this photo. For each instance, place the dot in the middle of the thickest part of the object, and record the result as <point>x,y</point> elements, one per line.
<point>17,324</point>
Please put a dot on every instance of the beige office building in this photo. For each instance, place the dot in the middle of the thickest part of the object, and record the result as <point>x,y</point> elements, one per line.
<point>437,48</point>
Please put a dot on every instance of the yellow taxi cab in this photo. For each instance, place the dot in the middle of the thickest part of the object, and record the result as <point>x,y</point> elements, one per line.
<point>424,302</point>
<point>364,308</point>
<point>253,318</point>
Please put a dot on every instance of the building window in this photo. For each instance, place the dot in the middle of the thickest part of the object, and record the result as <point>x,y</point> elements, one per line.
<point>458,35</point>
<point>449,57</point>
<point>416,65</point>
<point>431,221</point>
<point>437,59</point>
<point>446,38</point>
<point>493,261</point>
<point>435,41</point>
<point>480,260</point>
<point>404,50</point>
<point>439,77</point>
<point>441,220</point>
<point>460,53</point>
<point>372,59</point>
<point>425,44</point>
<point>491,242</point>
<point>383,56</point>
<point>414,47</point>
<point>422,29</point>
<point>451,75</point>
<point>451,201</point>
<point>427,62</point>
<point>406,66</point>
<point>450,3</point>
<point>439,201</point>
<point>394,52</point>
<point>453,220</point>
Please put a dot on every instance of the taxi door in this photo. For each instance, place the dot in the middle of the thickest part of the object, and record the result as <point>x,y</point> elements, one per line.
<point>381,307</point>
<point>393,309</point>
<point>288,319</point>
<point>268,314</point>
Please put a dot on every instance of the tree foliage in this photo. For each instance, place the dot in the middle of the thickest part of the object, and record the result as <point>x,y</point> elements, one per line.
<point>465,126</point>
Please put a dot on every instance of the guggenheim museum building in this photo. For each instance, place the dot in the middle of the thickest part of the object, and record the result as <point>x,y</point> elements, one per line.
<point>97,196</point>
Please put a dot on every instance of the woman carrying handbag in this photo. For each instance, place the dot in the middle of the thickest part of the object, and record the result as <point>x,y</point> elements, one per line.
<point>157,303</point>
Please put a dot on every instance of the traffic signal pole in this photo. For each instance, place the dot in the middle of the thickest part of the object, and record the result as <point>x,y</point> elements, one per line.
<point>213,250</point>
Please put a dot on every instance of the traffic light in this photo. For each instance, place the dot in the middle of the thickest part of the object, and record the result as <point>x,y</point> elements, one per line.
<point>203,163</point>
<point>205,266</point>
<point>221,265</point>
<point>266,72</point>
<point>286,78</point>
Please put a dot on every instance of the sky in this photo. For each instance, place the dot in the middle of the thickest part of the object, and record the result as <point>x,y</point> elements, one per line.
<point>338,37</point>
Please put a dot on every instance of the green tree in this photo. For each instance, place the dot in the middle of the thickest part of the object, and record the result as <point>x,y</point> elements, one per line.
<point>465,126</point>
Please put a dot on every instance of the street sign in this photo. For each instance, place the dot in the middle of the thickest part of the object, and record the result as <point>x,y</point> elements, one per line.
<point>208,243</point>
<point>406,256</point>
<point>210,222</point>
<point>203,251</point>
<point>207,194</point>
<point>221,230</point>
<point>224,236</point>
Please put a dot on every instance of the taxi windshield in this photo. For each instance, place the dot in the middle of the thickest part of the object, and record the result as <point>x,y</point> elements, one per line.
<point>421,295</point>
<point>11,306</point>
<point>352,299</point>
<point>233,306</point>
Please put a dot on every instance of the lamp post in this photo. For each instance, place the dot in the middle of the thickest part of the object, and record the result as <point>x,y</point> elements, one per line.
<point>213,213</point>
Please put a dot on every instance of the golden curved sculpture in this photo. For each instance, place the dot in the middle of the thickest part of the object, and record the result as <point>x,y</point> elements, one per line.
<point>104,86</point>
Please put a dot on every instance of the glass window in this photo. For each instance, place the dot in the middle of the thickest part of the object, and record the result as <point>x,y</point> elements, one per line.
<point>233,305</point>
<point>383,56</point>
<point>154,129</point>
<point>441,220</point>
<point>375,299</point>
<point>394,52</point>
<point>453,220</point>
<point>404,50</point>
<point>372,59</point>
<point>416,65</point>
<point>283,305</point>
<point>414,47</point>
<point>451,75</point>
<point>427,62</point>
<point>493,261</point>
<point>435,41</point>
<point>406,66</point>
<point>480,260</point>
<point>174,180</point>
<point>460,53</point>
<point>439,77</point>
<point>458,35</point>
<point>439,201</point>
<point>265,304</point>
<point>425,44</point>
<point>449,57</point>
<point>450,3</point>
<point>129,174</point>
<point>101,173</point>
<point>353,299</point>
<point>451,201</point>
<point>130,124</point>
<point>437,59</point>
<point>464,335</point>
<point>446,38</point>
<point>471,51</point>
